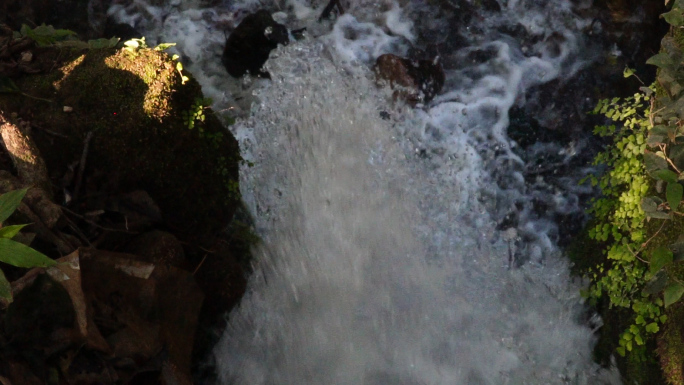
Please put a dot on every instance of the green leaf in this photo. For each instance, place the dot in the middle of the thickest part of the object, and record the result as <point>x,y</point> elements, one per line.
<point>9,202</point>
<point>103,43</point>
<point>677,249</point>
<point>5,288</point>
<point>7,86</point>
<point>666,175</point>
<point>628,72</point>
<point>650,206</point>
<point>671,80</point>
<point>639,340</point>
<point>674,17</point>
<point>45,35</point>
<point>652,327</point>
<point>662,60</point>
<point>20,255</point>
<point>660,257</point>
<point>677,155</point>
<point>621,351</point>
<point>674,192</point>
<point>673,293</point>
<point>654,286</point>
<point>646,90</point>
<point>10,231</point>
<point>164,46</point>
<point>657,135</point>
<point>653,162</point>
<point>24,30</point>
<point>77,44</point>
<point>48,30</point>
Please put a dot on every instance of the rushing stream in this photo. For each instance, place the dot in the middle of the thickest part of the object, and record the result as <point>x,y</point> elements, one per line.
<point>416,249</point>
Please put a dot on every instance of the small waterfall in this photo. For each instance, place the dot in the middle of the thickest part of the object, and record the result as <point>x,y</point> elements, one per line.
<point>345,289</point>
<point>421,249</point>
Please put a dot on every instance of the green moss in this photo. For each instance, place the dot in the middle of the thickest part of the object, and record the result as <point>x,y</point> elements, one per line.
<point>133,106</point>
<point>671,346</point>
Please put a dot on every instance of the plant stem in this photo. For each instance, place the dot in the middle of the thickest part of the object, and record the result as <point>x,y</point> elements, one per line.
<point>37,98</point>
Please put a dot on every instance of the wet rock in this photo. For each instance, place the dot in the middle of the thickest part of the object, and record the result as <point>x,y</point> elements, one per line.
<point>416,81</point>
<point>121,30</point>
<point>138,209</point>
<point>491,5</point>
<point>248,46</point>
<point>222,279</point>
<point>630,31</point>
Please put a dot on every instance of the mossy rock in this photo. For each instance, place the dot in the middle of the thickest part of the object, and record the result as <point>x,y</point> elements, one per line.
<point>134,104</point>
<point>671,346</point>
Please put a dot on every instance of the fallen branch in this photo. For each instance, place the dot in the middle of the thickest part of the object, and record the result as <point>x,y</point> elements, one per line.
<point>31,169</point>
<point>25,155</point>
<point>95,224</point>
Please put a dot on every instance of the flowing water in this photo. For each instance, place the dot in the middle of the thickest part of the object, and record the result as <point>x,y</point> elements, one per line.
<point>416,249</point>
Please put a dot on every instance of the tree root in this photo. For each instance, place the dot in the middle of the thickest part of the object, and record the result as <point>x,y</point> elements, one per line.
<point>37,206</point>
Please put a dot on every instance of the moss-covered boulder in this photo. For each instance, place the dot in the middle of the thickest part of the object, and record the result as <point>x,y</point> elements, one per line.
<point>150,130</point>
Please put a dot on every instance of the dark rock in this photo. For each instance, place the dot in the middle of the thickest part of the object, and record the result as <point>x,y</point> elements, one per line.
<point>491,5</point>
<point>137,207</point>
<point>158,247</point>
<point>414,80</point>
<point>249,45</point>
<point>121,30</point>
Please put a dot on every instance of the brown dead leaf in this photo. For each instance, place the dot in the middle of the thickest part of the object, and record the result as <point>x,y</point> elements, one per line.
<point>156,306</point>
<point>18,373</point>
<point>68,273</point>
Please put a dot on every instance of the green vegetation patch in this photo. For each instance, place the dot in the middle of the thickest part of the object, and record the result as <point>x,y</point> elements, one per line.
<point>639,220</point>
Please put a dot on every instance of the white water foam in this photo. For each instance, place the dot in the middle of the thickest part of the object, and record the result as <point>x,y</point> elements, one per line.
<point>381,266</point>
<point>346,291</point>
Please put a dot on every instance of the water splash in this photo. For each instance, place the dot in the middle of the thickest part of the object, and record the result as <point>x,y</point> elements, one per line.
<point>346,291</point>
<point>386,261</point>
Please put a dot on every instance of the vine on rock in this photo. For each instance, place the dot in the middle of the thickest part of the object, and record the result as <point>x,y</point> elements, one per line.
<point>645,167</point>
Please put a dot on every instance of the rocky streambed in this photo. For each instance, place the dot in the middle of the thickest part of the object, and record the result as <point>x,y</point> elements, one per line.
<point>134,178</point>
